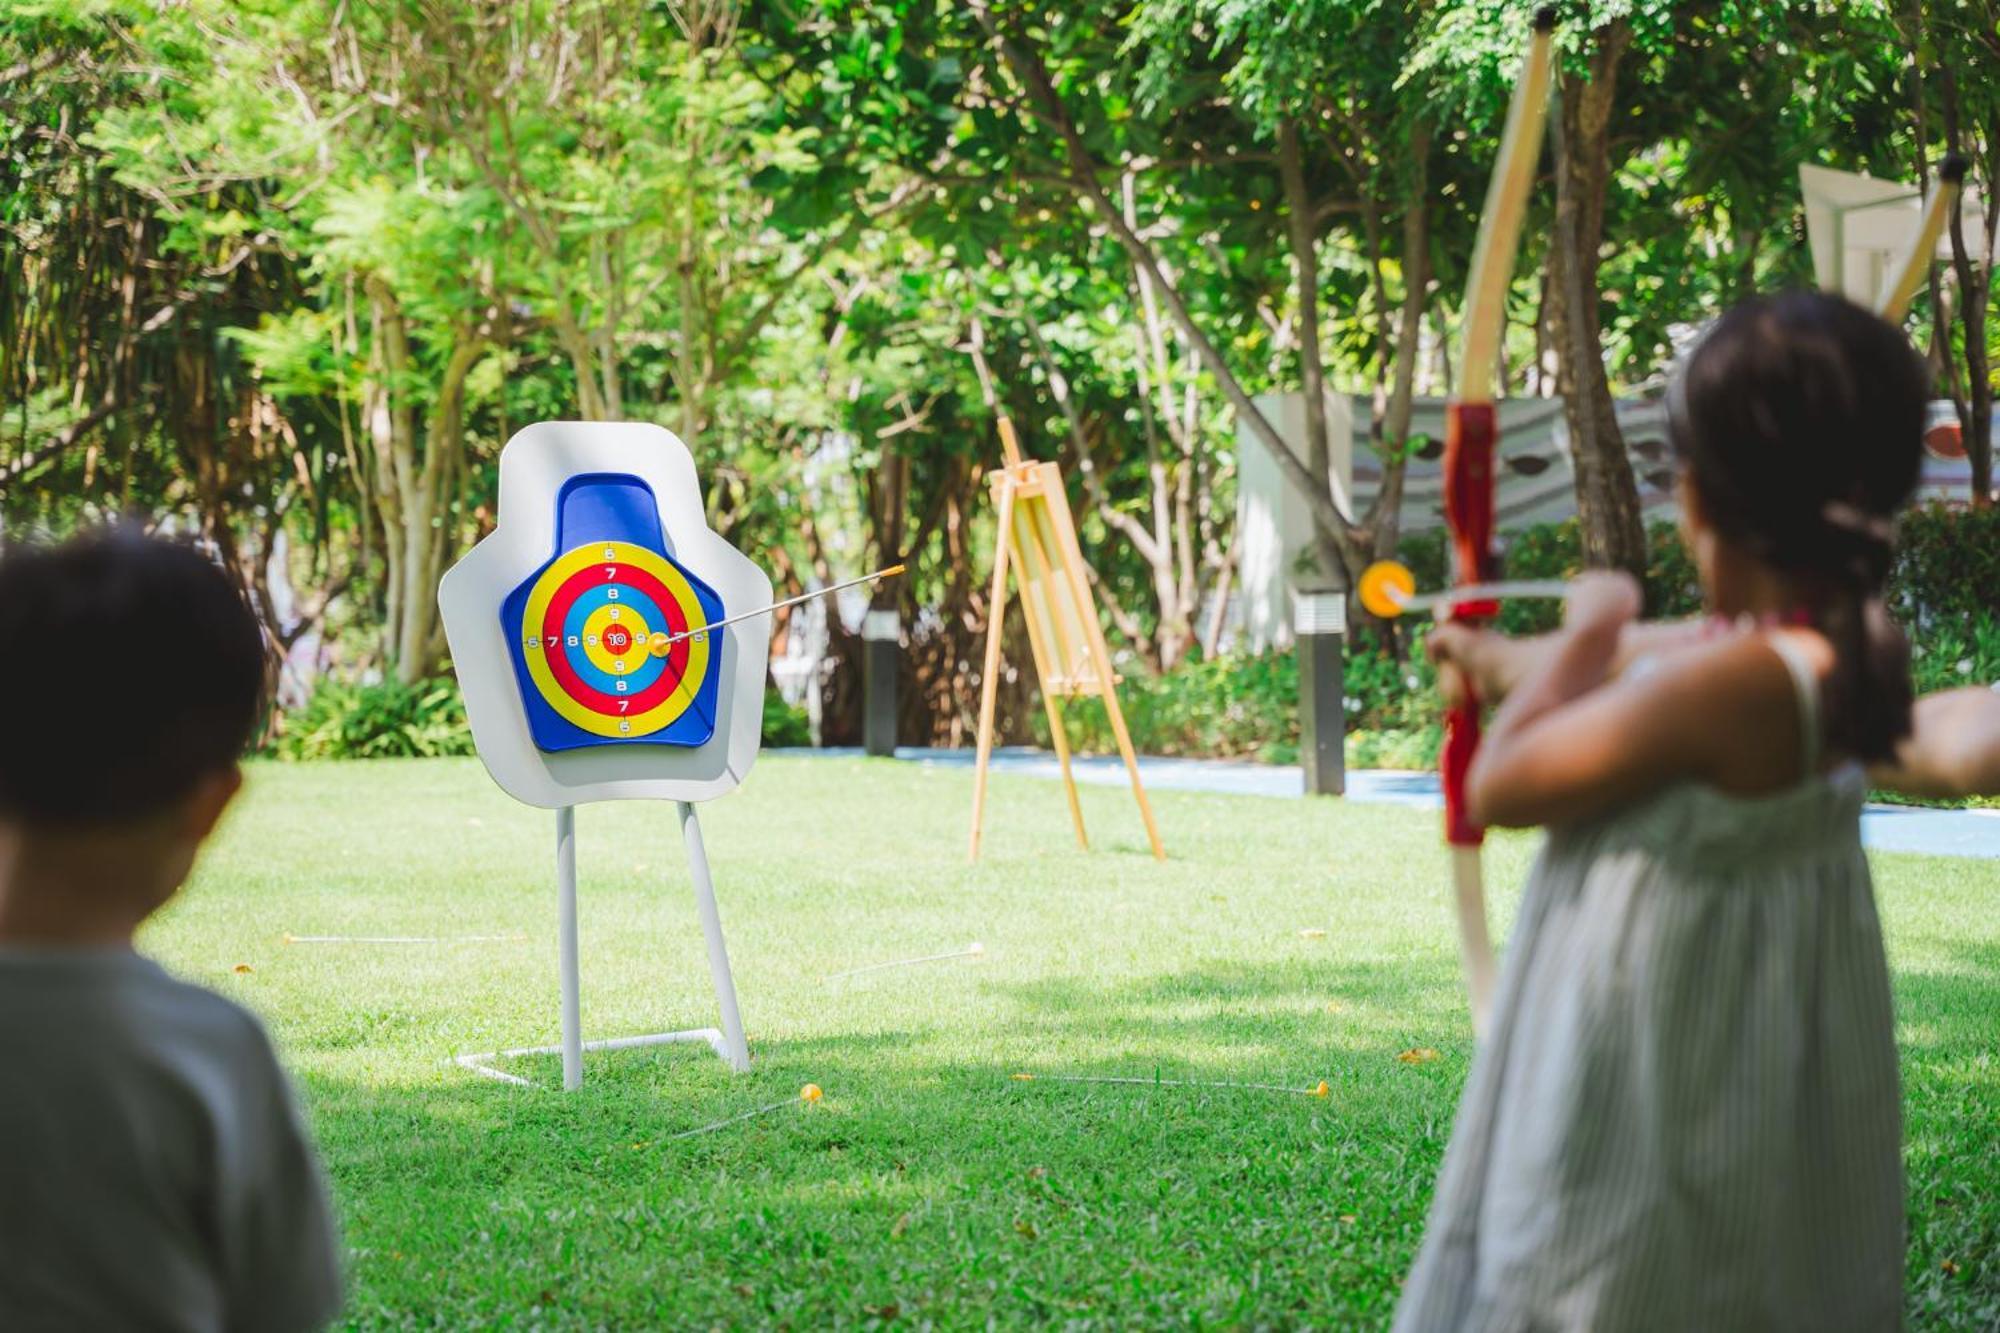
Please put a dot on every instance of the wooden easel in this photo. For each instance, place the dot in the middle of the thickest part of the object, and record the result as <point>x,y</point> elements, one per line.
<point>1038,538</point>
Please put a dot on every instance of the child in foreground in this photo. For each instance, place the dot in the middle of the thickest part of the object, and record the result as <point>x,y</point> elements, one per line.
<point>1686,1114</point>
<point>153,1171</point>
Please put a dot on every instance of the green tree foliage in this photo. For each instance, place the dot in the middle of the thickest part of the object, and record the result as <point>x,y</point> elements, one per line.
<point>286,273</point>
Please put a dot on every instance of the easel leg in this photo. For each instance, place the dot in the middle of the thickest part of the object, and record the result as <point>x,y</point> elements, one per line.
<point>1034,568</point>
<point>989,681</point>
<point>1100,658</point>
<point>1060,740</point>
<point>738,1050</point>
<point>572,1018</point>
<point>1117,716</point>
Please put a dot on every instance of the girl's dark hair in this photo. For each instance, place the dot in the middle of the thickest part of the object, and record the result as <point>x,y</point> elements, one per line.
<point>130,668</point>
<point>1800,421</point>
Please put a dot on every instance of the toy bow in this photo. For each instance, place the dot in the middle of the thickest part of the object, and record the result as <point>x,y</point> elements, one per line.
<point>1916,261</point>
<point>1470,436</point>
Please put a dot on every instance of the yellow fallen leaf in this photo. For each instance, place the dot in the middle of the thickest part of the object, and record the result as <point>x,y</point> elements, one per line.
<point>1312,933</point>
<point>810,1093</point>
<point>1347,1217</point>
<point>1950,1267</point>
<point>1418,1055</point>
<point>1022,1078</point>
<point>243,967</point>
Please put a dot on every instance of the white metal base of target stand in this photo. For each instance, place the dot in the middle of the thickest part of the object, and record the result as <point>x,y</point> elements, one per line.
<point>726,1041</point>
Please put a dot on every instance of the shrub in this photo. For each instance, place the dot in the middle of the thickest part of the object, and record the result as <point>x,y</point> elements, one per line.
<point>785,724</point>
<point>1226,707</point>
<point>344,720</point>
<point>1943,588</point>
<point>1947,570</point>
<point>1245,706</point>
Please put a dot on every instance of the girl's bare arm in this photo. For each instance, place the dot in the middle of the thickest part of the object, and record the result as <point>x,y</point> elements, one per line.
<point>1496,663</point>
<point>1569,744</point>
<point>1953,748</point>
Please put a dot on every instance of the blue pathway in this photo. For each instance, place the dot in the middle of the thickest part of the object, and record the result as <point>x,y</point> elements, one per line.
<point>1886,828</point>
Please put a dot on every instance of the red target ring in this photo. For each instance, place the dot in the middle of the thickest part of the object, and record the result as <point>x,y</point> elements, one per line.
<point>638,580</point>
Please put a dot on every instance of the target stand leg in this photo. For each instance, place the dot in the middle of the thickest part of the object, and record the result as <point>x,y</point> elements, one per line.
<point>572,984</point>
<point>728,1041</point>
<point>732,1047</point>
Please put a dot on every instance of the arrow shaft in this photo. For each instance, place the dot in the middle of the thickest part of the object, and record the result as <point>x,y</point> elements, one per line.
<point>1484,592</point>
<point>828,591</point>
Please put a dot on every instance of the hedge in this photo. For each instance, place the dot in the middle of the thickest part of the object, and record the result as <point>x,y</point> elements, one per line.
<point>386,720</point>
<point>1945,587</point>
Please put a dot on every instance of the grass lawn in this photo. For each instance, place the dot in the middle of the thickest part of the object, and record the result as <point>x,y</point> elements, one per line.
<point>929,1186</point>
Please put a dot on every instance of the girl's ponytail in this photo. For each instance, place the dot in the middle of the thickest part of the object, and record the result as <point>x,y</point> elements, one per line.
<point>1868,693</point>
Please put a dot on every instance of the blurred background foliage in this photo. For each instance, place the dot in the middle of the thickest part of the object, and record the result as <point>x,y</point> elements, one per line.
<point>287,273</point>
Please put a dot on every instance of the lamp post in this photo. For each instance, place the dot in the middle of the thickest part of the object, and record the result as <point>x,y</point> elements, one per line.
<point>1319,630</point>
<point>881,649</point>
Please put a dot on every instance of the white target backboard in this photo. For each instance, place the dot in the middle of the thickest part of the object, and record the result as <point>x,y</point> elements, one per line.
<point>536,467</point>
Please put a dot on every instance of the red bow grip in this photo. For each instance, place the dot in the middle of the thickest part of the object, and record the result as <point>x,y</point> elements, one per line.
<point>1470,434</point>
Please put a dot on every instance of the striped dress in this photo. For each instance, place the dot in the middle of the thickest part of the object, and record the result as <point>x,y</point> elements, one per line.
<point>1686,1115</point>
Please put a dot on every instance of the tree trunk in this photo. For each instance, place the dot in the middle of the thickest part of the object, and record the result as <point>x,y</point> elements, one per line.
<point>1975,289</point>
<point>413,480</point>
<point>1304,239</point>
<point>1028,66</point>
<point>1607,496</point>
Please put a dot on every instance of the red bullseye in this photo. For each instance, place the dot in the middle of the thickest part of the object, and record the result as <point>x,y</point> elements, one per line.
<point>617,639</point>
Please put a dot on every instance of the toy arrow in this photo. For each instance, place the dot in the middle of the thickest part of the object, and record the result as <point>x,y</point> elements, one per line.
<point>658,644</point>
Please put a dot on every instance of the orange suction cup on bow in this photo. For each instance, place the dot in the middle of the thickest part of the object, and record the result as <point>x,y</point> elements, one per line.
<point>1386,588</point>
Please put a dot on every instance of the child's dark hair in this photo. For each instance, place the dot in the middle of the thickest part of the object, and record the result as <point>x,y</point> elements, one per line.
<point>130,668</point>
<point>1800,421</point>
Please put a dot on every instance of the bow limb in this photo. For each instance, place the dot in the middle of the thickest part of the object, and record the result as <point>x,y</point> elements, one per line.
<point>1471,436</point>
<point>1915,263</point>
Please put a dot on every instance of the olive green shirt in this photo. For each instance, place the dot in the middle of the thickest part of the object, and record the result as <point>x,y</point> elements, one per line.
<point>153,1170</point>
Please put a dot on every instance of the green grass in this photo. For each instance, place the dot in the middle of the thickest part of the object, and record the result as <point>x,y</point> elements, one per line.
<point>929,1186</point>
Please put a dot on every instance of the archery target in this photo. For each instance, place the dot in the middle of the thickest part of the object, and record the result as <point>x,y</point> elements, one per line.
<point>610,636</point>
<point>600,554</point>
<point>587,640</point>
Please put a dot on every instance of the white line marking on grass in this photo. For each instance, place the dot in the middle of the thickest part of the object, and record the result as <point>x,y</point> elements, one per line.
<point>1320,1090</point>
<point>809,1094</point>
<point>972,950</point>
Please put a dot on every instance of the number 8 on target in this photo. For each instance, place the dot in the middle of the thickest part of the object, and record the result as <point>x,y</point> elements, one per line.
<point>605,642</point>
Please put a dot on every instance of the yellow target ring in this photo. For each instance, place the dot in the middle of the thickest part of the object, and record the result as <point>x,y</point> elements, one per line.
<point>601,657</point>
<point>1385,588</point>
<point>614,724</point>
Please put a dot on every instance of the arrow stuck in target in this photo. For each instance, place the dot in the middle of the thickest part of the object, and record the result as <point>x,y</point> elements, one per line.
<point>659,644</point>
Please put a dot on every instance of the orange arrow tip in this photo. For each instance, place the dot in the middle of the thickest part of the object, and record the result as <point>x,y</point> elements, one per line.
<point>891,571</point>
